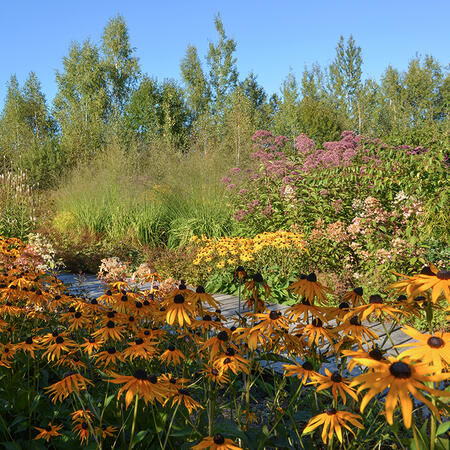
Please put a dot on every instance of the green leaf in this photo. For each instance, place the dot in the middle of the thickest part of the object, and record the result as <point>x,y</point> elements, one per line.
<point>443,428</point>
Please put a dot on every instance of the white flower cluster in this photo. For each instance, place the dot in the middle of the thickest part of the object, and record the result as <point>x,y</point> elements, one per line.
<point>112,269</point>
<point>44,249</point>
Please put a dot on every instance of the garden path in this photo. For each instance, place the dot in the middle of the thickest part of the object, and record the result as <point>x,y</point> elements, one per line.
<point>90,286</point>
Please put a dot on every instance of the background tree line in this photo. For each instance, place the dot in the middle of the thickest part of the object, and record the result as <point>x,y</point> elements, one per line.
<point>104,99</point>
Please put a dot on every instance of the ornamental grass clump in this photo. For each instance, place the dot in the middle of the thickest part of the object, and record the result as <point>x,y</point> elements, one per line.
<point>154,369</point>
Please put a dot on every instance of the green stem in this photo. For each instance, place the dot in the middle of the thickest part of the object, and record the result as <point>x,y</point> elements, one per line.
<point>133,426</point>
<point>170,426</point>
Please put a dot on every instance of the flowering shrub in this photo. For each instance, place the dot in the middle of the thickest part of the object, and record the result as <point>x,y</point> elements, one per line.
<point>357,195</point>
<point>138,369</point>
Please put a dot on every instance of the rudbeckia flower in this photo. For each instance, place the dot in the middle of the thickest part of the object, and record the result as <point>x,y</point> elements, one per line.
<point>377,306</point>
<point>184,396</point>
<point>71,382</point>
<point>48,432</point>
<point>354,296</point>
<point>217,344</point>
<point>401,377</point>
<point>316,333</point>
<point>433,349</point>
<point>216,442</point>
<point>333,421</point>
<point>305,308</point>
<point>111,330</point>
<point>141,384</point>
<point>200,296</point>
<point>310,288</point>
<point>233,361</point>
<point>338,384</point>
<point>91,345</point>
<point>303,372</point>
<point>429,278</point>
<point>106,431</point>
<point>108,357</point>
<point>216,375</point>
<point>172,355</point>
<point>178,310</point>
<point>29,345</point>
<point>356,330</point>
<point>271,321</point>
<point>357,357</point>
<point>59,345</point>
<point>140,348</point>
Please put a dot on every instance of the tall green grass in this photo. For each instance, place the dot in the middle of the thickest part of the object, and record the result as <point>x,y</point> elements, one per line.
<point>161,197</point>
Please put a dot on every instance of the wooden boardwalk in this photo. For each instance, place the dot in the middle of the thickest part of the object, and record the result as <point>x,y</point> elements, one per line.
<point>90,286</point>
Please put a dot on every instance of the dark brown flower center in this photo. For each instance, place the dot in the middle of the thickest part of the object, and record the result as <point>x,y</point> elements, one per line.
<point>355,321</point>
<point>223,336</point>
<point>29,340</point>
<point>258,278</point>
<point>48,428</point>
<point>139,341</point>
<point>331,411</point>
<point>376,354</point>
<point>140,374</point>
<point>110,324</point>
<point>435,342</point>
<point>77,315</point>
<point>207,318</point>
<point>375,299</point>
<point>59,340</point>
<point>312,277</point>
<point>215,372</point>
<point>108,293</point>
<point>230,351</point>
<point>426,271</point>
<point>94,301</point>
<point>317,322</point>
<point>344,305</point>
<point>336,377</point>
<point>171,348</point>
<point>443,275</point>
<point>400,370</point>
<point>124,298</point>
<point>111,350</point>
<point>200,290</point>
<point>307,365</point>
<point>218,439</point>
<point>178,299</point>
<point>183,392</point>
<point>84,425</point>
<point>358,291</point>
<point>274,315</point>
<point>153,379</point>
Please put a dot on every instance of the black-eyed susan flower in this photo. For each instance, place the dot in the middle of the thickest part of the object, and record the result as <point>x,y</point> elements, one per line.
<point>215,375</point>
<point>233,361</point>
<point>429,278</point>
<point>71,382</point>
<point>111,330</point>
<point>338,384</point>
<point>216,442</point>
<point>183,396</point>
<point>172,355</point>
<point>106,431</point>
<point>316,333</point>
<point>354,297</point>
<point>82,431</point>
<point>140,348</point>
<point>271,321</point>
<point>108,357</point>
<point>308,287</point>
<point>145,386</point>
<point>333,422</point>
<point>356,330</point>
<point>60,344</point>
<point>376,306</point>
<point>30,345</point>
<point>91,345</point>
<point>304,372</point>
<point>433,349</point>
<point>358,356</point>
<point>303,309</point>
<point>217,344</point>
<point>48,432</point>
<point>179,310</point>
<point>200,296</point>
<point>401,377</point>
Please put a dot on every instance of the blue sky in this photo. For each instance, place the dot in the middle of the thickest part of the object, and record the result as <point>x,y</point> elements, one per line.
<point>272,36</point>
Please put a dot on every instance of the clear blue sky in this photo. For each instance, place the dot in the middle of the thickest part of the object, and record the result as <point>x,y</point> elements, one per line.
<point>272,36</point>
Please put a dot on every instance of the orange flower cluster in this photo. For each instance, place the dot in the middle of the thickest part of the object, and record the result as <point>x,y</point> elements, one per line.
<point>160,351</point>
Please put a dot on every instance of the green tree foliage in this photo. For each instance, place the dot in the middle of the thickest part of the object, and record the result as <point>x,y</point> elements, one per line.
<point>240,125</point>
<point>223,74</point>
<point>197,87</point>
<point>287,117</point>
<point>120,65</point>
<point>81,103</point>
<point>345,79</point>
